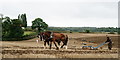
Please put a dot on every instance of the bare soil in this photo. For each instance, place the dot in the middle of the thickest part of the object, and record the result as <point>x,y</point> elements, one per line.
<point>32,49</point>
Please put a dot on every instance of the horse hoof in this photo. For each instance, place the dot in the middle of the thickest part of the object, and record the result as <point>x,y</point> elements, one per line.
<point>57,48</point>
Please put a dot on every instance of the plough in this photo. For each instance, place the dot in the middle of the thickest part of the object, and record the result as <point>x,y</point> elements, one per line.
<point>93,48</point>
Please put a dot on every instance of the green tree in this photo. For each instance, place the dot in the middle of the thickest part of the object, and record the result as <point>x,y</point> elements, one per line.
<point>6,23</point>
<point>16,30</point>
<point>87,31</point>
<point>11,28</point>
<point>118,31</point>
<point>23,19</point>
<point>39,24</point>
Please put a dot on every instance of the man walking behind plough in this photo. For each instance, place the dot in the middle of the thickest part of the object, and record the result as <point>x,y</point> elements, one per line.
<point>109,41</point>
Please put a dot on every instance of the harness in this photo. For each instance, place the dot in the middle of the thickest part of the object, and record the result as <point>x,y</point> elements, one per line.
<point>51,35</point>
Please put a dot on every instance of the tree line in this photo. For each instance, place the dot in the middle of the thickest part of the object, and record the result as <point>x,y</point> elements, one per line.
<point>85,29</point>
<point>12,28</point>
<point>15,28</point>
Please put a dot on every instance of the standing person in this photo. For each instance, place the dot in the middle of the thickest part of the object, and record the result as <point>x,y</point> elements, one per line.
<point>109,43</point>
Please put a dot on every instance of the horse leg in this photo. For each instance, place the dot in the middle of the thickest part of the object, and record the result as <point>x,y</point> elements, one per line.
<point>50,44</point>
<point>40,37</point>
<point>65,46</point>
<point>62,45</point>
<point>44,44</point>
<point>56,46</point>
<point>59,43</point>
<point>65,41</point>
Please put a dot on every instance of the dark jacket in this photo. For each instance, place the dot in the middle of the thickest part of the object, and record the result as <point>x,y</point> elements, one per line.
<point>108,40</point>
<point>110,43</point>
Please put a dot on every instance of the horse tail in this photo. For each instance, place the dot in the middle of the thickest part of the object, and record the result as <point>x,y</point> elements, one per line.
<point>66,40</point>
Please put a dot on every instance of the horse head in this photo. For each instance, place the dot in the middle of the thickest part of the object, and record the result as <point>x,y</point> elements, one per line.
<point>40,35</point>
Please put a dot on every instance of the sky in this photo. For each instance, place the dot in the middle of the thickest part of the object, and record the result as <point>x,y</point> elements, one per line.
<point>64,13</point>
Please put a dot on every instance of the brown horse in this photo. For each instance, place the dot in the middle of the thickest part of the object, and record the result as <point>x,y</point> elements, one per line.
<point>43,38</point>
<point>54,37</point>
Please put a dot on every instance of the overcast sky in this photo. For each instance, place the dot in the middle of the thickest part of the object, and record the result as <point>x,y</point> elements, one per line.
<point>65,13</point>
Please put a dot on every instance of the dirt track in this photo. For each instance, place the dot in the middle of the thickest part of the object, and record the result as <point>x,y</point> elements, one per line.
<point>32,49</point>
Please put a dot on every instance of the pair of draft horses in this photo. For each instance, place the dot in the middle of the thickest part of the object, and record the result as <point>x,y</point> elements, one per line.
<point>54,37</point>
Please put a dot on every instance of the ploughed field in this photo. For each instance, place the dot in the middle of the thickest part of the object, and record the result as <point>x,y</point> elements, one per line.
<point>32,49</point>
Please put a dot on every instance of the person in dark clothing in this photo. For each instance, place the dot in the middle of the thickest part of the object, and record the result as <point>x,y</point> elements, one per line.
<point>109,43</point>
